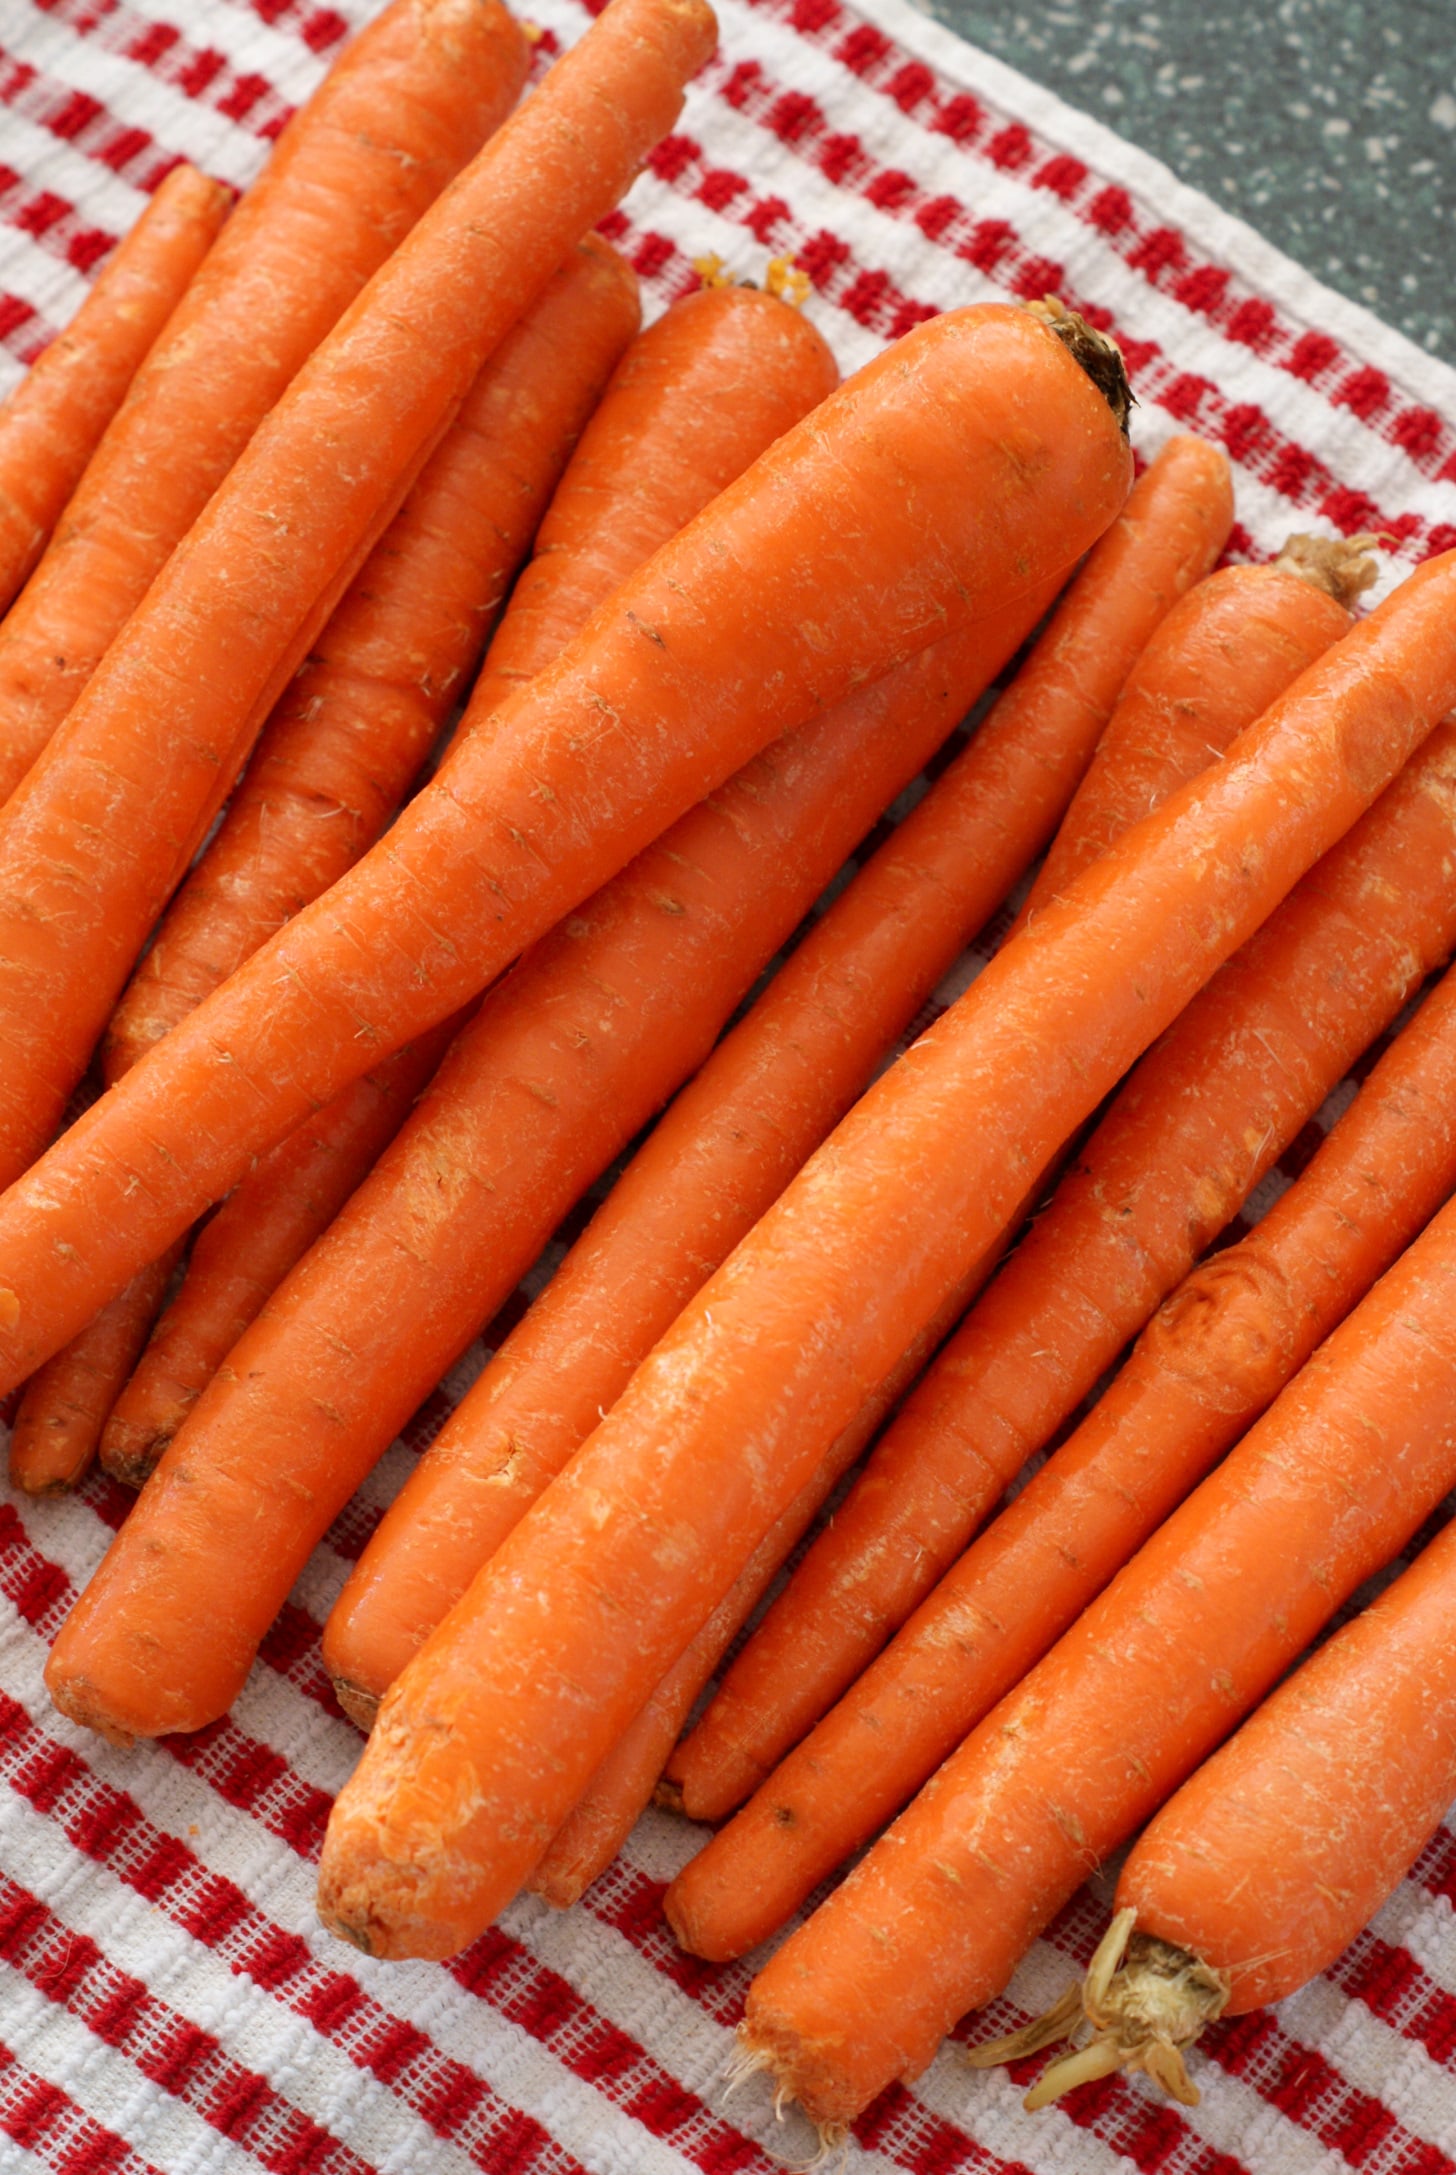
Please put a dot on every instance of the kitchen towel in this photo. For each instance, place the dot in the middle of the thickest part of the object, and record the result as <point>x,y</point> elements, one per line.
<point>167,2001</point>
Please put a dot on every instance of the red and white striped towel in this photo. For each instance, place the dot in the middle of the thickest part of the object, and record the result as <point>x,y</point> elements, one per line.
<point>166,1999</point>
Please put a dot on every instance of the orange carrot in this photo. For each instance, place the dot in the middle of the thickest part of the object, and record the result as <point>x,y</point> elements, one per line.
<point>917,493</point>
<point>1327,1795</point>
<point>1188,1139</point>
<point>566,1059</point>
<point>344,744</point>
<point>409,101</point>
<point>244,1252</point>
<point>341,749</point>
<point>493,1731</point>
<point>1174,721</point>
<point>66,1401</point>
<point>1265,1865</point>
<point>50,425</point>
<point>780,1081</point>
<point>1326,1487</point>
<point>715,380</point>
<point>601,1820</point>
<point>1204,1369</point>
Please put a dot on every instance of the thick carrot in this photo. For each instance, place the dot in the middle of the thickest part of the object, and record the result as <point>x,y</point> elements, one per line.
<point>1187,1140</point>
<point>602,1818</point>
<point>66,1402</point>
<point>242,1254</point>
<point>330,769</point>
<point>1174,722</point>
<point>566,1059</point>
<point>918,493</point>
<point>408,102</point>
<point>93,842</point>
<point>1326,1487</point>
<point>1204,1369</point>
<point>474,1763</point>
<point>52,422</point>
<point>622,1787</point>
<point>779,1082</point>
<point>343,746</point>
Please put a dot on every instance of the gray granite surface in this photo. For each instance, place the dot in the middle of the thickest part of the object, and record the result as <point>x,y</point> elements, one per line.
<point>1330,125</point>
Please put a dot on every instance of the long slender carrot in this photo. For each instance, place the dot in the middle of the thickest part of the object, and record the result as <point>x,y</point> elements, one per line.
<point>52,422</point>
<point>566,1059</point>
<point>622,1787</point>
<point>242,1254</point>
<point>328,772</point>
<point>779,1082</point>
<point>1173,723</point>
<point>103,827</point>
<point>1208,1363</point>
<point>917,493</point>
<point>66,1402</point>
<point>473,1764</point>
<point>1325,1488</point>
<point>343,746</point>
<point>1271,1858</point>
<point>407,103</point>
<point>1186,1141</point>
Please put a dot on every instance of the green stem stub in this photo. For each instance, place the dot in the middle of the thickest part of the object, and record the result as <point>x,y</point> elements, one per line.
<point>1145,2001</point>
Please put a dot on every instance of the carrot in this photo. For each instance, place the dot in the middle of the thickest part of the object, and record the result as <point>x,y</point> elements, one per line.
<point>244,1252</point>
<point>341,749</point>
<point>566,1059</point>
<point>1325,1488</point>
<point>1325,1796</point>
<point>400,112</point>
<point>100,832</point>
<point>1174,720</point>
<point>695,399</point>
<point>473,1763</point>
<point>779,1082</point>
<point>1219,1351</point>
<point>66,1402</point>
<point>333,763</point>
<point>1265,1865</point>
<point>1187,1140</point>
<point>50,425</point>
<point>917,495</point>
<point>622,1787</point>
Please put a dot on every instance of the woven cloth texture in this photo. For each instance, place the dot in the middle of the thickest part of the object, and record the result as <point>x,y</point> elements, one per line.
<point>167,2000</point>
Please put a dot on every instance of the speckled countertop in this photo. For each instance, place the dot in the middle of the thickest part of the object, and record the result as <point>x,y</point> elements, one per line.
<point>1330,125</point>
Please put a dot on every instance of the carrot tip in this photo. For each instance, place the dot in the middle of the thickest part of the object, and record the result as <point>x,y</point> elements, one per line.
<point>668,1795</point>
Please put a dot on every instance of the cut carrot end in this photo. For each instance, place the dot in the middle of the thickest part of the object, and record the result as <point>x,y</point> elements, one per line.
<point>1145,2000</point>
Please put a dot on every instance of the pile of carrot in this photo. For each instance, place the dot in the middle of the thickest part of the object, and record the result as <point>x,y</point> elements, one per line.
<point>543,672</point>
